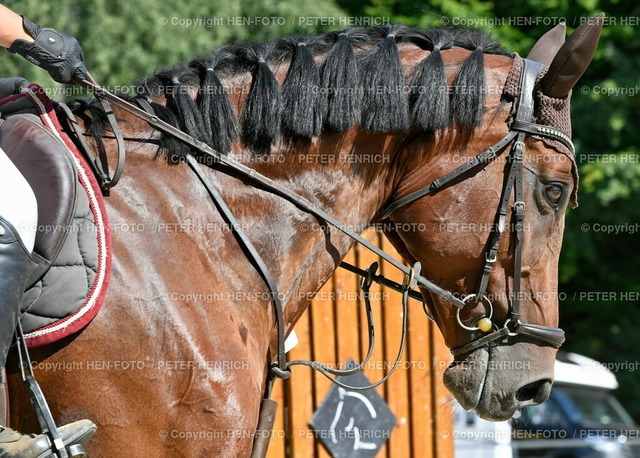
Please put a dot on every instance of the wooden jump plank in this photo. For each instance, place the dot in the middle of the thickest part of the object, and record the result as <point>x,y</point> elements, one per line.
<point>420,384</point>
<point>323,336</point>
<point>346,312</point>
<point>397,387</point>
<point>300,405</point>
<point>374,370</point>
<point>277,444</point>
<point>443,414</point>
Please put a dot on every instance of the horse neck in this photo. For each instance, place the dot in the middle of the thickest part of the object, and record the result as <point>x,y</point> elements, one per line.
<point>350,176</point>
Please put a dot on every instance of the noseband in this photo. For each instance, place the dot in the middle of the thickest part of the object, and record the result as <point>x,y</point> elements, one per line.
<point>521,126</point>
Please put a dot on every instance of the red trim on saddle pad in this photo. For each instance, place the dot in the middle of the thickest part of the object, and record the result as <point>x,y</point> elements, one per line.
<point>96,295</point>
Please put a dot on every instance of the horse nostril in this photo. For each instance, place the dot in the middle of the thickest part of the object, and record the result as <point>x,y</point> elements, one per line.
<point>534,393</point>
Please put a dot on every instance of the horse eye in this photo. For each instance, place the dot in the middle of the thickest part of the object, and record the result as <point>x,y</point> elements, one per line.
<point>553,192</point>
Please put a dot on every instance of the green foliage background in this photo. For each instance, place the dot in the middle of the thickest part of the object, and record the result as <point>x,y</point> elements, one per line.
<point>599,272</point>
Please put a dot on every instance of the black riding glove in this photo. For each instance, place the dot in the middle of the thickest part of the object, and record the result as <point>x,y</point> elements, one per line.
<point>59,54</point>
<point>11,86</point>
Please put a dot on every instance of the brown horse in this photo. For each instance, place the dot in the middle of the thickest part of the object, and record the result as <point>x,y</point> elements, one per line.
<point>177,361</point>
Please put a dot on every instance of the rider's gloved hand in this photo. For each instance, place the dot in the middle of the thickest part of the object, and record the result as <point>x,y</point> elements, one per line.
<point>11,86</point>
<point>59,54</point>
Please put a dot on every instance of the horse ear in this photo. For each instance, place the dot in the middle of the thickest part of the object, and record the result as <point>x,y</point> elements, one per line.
<point>573,58</point>
<point>548,45</point>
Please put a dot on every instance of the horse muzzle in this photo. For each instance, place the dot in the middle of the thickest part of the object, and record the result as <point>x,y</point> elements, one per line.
<point>498,380</point>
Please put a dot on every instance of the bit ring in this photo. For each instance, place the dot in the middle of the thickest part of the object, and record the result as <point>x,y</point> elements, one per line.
<point>474,328</point>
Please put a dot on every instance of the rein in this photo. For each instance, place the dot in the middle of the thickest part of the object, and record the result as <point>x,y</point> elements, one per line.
<point>281,368</point>
<point>99,164</point>
<point>512,326</point>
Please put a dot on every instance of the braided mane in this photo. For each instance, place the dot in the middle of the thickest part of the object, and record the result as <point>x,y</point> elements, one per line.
<point>334,81</point>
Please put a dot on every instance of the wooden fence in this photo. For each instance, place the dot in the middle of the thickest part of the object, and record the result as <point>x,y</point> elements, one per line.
<point>334,330</point>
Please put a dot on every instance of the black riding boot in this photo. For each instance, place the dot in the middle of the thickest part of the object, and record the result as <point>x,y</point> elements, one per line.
<point>15,266</point>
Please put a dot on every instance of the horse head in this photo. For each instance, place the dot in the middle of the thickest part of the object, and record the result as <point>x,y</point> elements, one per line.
<point>452,233</point>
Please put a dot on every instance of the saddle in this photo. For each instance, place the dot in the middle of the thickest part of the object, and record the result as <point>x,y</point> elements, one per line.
<point>72,248</point>
<point>50,172</point>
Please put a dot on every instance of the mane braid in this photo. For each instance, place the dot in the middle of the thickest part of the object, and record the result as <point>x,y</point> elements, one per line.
<point>302,113</point>
<point>334,81</point>
<point>220,120</point>
<point>174,149</point>
<point>95,124</point>
<point>262,109</point>
<point>179,100</point>
<point>430,93</point>
<point>385,104</point>
<point>341,93</point>
<point>469,91</point>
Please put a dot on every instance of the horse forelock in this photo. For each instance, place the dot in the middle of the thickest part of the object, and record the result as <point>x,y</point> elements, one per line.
<point>356,76</point>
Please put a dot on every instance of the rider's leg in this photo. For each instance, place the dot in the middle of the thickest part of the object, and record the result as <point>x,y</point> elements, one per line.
<point>17,201</point>
<point>18,221</point>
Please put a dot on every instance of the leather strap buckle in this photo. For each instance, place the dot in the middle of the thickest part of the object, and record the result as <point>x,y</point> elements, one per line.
<point>411,279</point>
<point>371,274</point>
<point>491,154</point>
<point>519,207</point>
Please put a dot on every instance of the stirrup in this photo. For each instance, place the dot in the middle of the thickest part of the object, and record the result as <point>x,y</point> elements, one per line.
<point>40,406</point>
<point>14,443</point>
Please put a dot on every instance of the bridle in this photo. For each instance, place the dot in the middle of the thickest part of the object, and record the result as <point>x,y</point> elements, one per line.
<point>520,128</point>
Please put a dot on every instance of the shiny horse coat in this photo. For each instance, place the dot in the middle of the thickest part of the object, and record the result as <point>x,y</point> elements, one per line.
<point>178,359</point>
